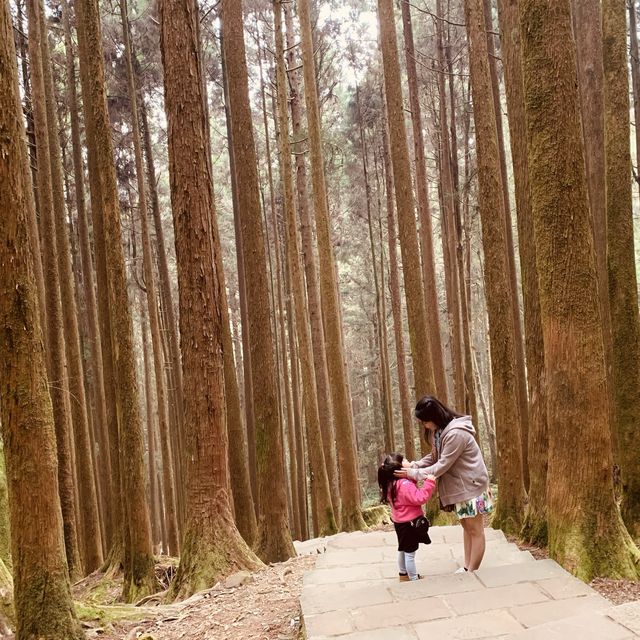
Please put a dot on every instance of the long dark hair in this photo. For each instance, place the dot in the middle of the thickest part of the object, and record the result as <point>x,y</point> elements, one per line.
<point>430,409</point>
<point>386,479</point>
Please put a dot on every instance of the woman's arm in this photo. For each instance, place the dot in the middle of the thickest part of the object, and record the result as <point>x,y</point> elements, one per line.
<point>452,446</point>
<point>427,461</point>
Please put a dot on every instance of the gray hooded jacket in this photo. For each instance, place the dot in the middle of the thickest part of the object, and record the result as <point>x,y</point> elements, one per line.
<point>458,465</point>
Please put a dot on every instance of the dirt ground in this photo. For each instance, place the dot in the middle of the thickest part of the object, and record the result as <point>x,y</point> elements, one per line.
<point>265,608</point>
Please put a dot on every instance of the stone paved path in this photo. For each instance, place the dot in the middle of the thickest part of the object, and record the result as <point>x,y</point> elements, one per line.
<point>354,594</point>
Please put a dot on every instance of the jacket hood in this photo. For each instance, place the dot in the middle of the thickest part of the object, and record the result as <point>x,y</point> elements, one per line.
<point>463,423</point>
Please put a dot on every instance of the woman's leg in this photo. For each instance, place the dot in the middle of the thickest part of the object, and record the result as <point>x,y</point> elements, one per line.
<point>475,530</point>
<point>466,537</point>
<point>410,561</point>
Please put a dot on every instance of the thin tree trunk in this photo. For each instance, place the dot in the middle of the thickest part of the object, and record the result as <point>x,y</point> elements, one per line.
<point>42,593</point>
<point>573,345</point>
<point>55,342</point>
<point>139,578</point>
<point>152,304</point>
<point>212,546</point>
<point>500,299</point>
<point>350,514</point>
<point>405,206</point>
<point>635,79</point>
<point>623,290</point>
<point>424,213</point>
<point>274,540</point>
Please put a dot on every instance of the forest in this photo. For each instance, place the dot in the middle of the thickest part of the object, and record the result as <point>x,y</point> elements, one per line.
<point>239,239</point>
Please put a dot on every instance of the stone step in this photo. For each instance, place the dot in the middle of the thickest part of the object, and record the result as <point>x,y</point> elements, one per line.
<point>613,623</point>
<point>495,602</point>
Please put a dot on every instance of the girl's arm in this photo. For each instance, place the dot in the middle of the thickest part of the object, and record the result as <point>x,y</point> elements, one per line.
<point>416,496</point>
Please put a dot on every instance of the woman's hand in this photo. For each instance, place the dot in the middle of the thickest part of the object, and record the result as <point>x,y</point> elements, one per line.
<point>401,473</point>
<point>431,477</point>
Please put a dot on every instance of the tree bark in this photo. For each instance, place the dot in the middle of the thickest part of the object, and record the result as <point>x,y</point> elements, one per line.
<point>535,524</point>
<point>572,328</point>
<point>422,196</point>
<point>510,508</point>
<point>274,540</point>
<point>635,78</point>
<point>55,342</point>
<point>350,513</point>
<point>405,206</point>
<point>139,578</point>
<point>42,593</point>
<point>211,545</point>
<point>623,291</point>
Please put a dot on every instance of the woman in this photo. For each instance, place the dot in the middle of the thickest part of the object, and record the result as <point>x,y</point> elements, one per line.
<point>456,461</point>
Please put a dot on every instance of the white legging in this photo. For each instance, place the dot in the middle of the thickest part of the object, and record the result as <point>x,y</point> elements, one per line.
<point>407,564</point>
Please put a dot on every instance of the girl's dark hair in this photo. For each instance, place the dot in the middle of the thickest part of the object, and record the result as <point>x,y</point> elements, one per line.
<point>430,409</point>
<point>386,479</point>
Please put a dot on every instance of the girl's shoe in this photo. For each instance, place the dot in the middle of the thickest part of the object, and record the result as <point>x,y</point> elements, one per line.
<point>403,577</point>
<point>418,577</point>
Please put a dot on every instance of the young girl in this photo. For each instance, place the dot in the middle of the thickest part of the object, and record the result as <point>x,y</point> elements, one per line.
<point>406,500</point>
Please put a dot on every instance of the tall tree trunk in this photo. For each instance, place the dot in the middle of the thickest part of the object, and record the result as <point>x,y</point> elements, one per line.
<point>635,78</point>
<point>350,512</point>
<point>211,545</point>
<point>152,303</point>
<point>535,525</point>
<point>96,376</point>
<point>572,329</point>
<point>396,308</point>
<point>139,578</point>
<point>274,540</point>
<point>55,342</point>
<point>424,213</point>
<point>521,372</point>
<point>318,337</point>
<point>42,593</point>
<point>623,290</point>
<point>324,514</point>
<point>405,207</point>
<point>91,543</point>
<point>510,508</point>
<point>587,32</point>
<point>448,213</point>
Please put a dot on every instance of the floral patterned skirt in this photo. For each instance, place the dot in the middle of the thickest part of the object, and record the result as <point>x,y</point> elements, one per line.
<point>476,506</point>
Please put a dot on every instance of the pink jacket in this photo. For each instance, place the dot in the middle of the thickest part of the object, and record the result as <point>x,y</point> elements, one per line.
<point>410,498</point>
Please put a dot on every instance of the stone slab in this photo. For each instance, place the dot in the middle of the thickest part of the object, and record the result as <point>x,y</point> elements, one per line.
<point>627,615</point>
<point>337,575</point>
<point>334,623</point>
<point>533,615</point>
<point>335,597</point>
<point>435,586</point>
<point>476,625</point>
<point>399,614</point>
<point>497,598</point>
<point>593,626</point>
<point>388,633</point>
<point>565,587</point>
<point>524,572</point>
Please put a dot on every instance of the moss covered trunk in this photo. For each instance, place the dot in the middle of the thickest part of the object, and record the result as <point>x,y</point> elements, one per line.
<point>274,538</point>
<point>424,210</point>
<point>349,512</point>
<point>623,291</point>
<point>405,207</point>
<point>139,578</point>
<point>55,342</point>
<point>211,544</point>
<point>590,541</point>
<point>43,604</point>
<point>500,299</point>
<point>535,525</point>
